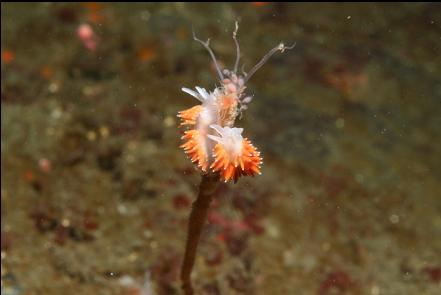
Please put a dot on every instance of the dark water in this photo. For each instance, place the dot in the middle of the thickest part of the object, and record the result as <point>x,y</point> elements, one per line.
<point>95,192</point>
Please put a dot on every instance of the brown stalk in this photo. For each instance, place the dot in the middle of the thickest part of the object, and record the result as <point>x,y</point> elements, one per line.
<point>196,222</point>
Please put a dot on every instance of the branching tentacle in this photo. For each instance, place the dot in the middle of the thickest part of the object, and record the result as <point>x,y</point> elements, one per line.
<point>206,44</point>
<point>281,47</point>
<point>236,64</point>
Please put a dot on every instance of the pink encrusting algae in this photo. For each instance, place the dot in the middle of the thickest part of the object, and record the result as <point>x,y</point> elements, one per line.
<point>214,145</point>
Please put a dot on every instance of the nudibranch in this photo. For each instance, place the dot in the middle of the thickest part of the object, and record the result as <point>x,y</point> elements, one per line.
<point>210,140</point>
<point>234,155</point>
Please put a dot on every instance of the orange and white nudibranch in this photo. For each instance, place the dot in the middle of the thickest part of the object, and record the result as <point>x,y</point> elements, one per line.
<point>198,119</point>
<point>211,141</point>
<point>234,155</point>
<point>211,146</point>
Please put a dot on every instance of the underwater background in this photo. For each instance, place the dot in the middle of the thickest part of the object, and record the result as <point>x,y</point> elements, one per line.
<point>95,192</point>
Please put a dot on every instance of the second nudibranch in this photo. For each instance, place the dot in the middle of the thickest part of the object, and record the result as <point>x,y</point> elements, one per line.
<point>211,141</point>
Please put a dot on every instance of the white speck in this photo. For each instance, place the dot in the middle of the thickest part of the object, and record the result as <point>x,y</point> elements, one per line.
<point>340,123</point>
<point>288,258</point>
<point>147,233</point>
<point>53,87</point>
<point>375,290</point>
<point>169,121</point>
<point>65,222</point>
<point>394,219</point>
<point>145,15</point>
<point>272,230</point>
<point>56,113</point>
<point>122,209</point>
<point>126,281</point>
<point>348,17</point>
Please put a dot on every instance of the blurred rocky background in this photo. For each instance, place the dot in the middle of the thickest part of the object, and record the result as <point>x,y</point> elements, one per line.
<point>95,192</point>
